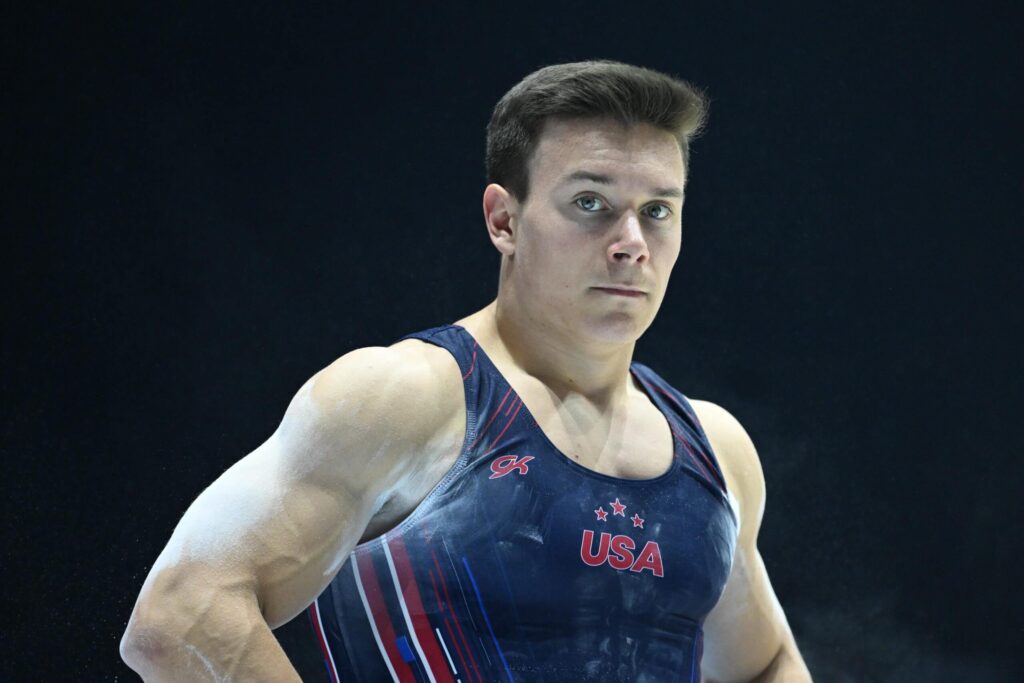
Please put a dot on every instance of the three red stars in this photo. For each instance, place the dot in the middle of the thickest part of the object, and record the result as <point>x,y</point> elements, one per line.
<point>618,508</point>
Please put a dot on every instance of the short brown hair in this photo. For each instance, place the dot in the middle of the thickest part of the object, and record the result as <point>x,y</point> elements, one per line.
<point>591,89</point>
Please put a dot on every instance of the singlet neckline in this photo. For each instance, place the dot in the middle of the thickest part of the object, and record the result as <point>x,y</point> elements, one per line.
<point>666,415</point>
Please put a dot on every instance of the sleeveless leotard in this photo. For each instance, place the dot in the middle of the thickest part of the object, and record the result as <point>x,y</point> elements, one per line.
<point>522,565</point>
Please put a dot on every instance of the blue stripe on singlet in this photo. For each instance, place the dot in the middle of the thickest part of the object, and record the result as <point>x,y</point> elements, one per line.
<point>487,619</point>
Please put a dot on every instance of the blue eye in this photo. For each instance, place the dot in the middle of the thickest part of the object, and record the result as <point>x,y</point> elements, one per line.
<point>664,208</point>
<point>666,211</point>
<point>587,198</point>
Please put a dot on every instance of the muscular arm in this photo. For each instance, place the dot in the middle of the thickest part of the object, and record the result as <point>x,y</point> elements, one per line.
<point>258,545</point>
<point>747,636</point>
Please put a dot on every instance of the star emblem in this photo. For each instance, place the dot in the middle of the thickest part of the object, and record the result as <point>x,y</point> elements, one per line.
<point>618,508</point>
<point>601,514</point>
<point>637,522</point>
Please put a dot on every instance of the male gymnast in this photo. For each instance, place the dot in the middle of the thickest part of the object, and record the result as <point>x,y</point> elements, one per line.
<point>509,497</point>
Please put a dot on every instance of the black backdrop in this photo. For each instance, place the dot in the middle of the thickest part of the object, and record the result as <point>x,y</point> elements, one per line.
<point>206,206</point>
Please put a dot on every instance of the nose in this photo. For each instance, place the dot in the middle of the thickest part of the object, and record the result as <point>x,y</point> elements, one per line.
<point>630,244</point>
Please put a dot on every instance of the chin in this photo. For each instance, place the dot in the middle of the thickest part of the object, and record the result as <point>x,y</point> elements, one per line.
<point>616,328</point>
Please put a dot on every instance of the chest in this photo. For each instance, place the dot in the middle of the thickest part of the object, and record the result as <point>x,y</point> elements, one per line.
<point>634,443</point>
<point>583,546</point>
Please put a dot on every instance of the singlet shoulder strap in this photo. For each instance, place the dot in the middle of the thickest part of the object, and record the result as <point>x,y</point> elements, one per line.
<point>456,341</point>
<point>700,457</point>
<point>486,390</point>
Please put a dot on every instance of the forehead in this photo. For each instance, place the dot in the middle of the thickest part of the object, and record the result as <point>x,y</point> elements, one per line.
<point>606,146</point>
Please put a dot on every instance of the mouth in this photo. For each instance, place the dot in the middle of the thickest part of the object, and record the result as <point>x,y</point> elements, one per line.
<point>622,291</point>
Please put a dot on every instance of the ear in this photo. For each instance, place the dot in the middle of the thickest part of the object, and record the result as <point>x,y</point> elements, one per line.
<point>501,213</point>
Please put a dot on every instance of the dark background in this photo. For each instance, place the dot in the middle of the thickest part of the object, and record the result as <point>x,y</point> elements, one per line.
<point>203,207</point>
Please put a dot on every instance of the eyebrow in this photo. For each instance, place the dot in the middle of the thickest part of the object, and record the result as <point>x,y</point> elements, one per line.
<point>608,180</point>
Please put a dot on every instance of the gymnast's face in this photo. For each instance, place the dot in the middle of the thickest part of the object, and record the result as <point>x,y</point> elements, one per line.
<point>603,211</point>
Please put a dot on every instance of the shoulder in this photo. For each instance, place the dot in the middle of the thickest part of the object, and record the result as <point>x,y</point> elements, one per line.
<point>377,418</point>
<point>411,389</point>
<point>739,461</point>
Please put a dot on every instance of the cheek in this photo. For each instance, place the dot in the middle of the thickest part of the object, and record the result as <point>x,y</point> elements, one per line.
<point>556,271</point>
<point>668,251</point>
<point>675,256</point>
<point>556,251</point>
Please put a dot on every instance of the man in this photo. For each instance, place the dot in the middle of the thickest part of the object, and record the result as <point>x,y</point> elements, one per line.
<point>509,497</point>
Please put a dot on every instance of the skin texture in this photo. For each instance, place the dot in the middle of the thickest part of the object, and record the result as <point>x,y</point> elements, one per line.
<point>365,440</point>
<point>261,542</point>
<point>568,239</point>
<point>747,636</point>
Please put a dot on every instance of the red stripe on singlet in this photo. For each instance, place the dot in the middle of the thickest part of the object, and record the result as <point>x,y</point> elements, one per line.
<point>381,618</point>
<point>488,426</point>
<point>511,420</point>
<point>710,469</point>
<point>322,641</point>
<point>471,365</point>
<point>455,618</point>
<point>445,608</point>
<point>417,614</point>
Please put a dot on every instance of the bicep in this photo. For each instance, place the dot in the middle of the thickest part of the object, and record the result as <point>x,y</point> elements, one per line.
<point>280,522</point>
<point>744,631</point>
<point>264,527</point>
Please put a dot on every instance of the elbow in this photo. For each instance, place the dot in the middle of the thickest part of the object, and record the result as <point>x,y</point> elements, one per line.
<point>155,630</point>
<point>151,638</point>
<point>182,613</point>
<point>143,647</point>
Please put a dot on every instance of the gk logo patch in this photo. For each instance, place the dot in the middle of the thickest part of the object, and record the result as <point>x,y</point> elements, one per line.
<point>507,463</point>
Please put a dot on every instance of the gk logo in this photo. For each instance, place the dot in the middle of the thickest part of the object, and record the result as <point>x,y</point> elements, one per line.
<point>506,463</point>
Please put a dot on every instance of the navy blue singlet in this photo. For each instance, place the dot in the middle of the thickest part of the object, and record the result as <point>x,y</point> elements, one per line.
<point>522,565</point>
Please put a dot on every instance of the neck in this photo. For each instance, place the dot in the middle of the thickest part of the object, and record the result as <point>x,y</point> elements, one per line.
<point>566,365</point>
